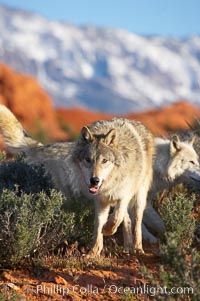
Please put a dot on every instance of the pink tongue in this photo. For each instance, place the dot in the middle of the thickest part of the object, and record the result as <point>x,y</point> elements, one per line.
<point>93,189</point>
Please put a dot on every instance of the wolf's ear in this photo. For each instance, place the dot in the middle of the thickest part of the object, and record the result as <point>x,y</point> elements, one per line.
<point>192,140</point>
<point>110,137</point>
<point>86,135</point>
<point>175,145</point>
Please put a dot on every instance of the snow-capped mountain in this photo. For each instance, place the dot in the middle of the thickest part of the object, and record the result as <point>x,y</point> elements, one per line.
<point>104,69</point>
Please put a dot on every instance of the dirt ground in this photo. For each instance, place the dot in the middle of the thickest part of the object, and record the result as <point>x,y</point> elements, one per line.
<point>109,278</point>
<point>116,277</point>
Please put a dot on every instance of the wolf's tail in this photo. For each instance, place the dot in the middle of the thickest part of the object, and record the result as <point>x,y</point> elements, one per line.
<point>15,137</point>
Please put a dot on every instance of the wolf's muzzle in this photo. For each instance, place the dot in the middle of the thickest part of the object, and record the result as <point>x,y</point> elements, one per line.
<point>94,187</point>
<point>94,181</point>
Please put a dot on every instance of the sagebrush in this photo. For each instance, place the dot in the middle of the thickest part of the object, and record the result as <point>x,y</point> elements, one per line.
<point>33,218</point>
<point>179,256</point>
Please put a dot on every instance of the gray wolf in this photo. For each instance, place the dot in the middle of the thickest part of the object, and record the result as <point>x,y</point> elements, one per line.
<point>175,162</point>
<point>111,163</point>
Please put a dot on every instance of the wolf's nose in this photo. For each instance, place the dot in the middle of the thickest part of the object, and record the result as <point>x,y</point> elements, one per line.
<point>94,181</point>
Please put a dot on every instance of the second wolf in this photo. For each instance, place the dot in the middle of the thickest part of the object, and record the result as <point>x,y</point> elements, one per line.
<point>111,162</point>
<point>175,162</point>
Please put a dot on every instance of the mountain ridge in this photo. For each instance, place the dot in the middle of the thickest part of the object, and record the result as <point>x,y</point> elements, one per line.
<point>103,69</point>
<point>33,107</point>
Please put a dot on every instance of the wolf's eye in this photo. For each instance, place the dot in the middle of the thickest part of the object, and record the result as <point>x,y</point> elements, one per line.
<point>88,160</point>
<point>104,161</point>
<point>192,162</point>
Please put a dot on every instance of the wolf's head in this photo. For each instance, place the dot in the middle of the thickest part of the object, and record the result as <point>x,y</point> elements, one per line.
<point>96,157</point>
<point>183,160</point>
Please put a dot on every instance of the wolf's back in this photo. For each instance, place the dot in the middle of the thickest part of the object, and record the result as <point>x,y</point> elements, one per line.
<point>14,135</point>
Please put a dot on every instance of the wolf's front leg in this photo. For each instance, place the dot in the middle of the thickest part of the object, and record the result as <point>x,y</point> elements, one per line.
<point>140,205</point>
<point>127,232</point>
<point>116,218</point>
<point>101,216</point>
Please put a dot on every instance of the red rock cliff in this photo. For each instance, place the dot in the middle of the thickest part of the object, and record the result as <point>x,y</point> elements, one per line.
<point>30,103</point>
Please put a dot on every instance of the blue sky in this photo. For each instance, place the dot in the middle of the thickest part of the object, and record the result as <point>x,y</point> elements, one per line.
<point>165,17</point>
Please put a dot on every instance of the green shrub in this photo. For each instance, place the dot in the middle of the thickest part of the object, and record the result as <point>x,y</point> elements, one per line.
<point>33,219</point>
<point>27,178</point>
<point>30,224</point>
<point>10,295</point>
<point>180,259</point>
<point>83,213</point>
<point>180,269</point>
<point>176,213</point>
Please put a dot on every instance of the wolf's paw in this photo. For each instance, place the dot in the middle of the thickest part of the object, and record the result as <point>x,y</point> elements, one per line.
<point>95,251</point>
<point>138,251</point>
<point>91,255</point>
